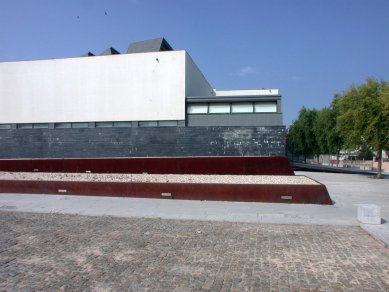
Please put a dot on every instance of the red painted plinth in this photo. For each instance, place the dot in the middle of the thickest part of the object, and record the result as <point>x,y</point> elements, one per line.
<point>302,194</point>
<point>272,165</point>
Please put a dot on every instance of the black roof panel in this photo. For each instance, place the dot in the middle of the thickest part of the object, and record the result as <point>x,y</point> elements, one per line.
<point>154,45</point>
<point>109,51</point>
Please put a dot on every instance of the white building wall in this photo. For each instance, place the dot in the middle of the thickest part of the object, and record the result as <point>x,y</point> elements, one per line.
<point>127,87</point>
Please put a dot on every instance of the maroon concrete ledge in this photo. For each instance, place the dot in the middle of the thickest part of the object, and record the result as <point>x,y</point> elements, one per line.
<point>269,165</point>
<point>301,194</point>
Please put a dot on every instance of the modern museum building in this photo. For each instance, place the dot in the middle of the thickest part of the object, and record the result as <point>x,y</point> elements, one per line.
<point>150,101</point>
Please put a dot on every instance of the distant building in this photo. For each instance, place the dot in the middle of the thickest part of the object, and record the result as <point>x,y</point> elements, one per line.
<point>150,101</point>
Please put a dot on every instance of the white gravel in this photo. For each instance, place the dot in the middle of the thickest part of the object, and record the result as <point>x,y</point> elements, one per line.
<point>159,178</point>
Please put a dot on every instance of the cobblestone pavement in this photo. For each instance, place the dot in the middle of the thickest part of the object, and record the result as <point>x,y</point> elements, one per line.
<point>69,252</point>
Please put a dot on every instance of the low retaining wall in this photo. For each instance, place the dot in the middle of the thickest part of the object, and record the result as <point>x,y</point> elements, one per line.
<point>314,193</point>
<point>271,193</point>
<point>273,165</point>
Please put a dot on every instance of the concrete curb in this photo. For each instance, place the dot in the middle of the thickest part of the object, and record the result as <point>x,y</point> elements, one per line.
<point>379,232</point>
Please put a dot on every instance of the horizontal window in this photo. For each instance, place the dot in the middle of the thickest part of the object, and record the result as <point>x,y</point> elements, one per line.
<point>5,126</point>
<point>80,125</point>
<point>41,126</point>
<point>201,108</point>
<point>234,107</point>
<point>69,125</point>
<point>148,124</point>
<point>122,124</point>
<point>265,107</point>
<point>104,124</point>
<point>167,123</point>
<point>35,126</point>
<point>24,126</point>
<point>219,108</point>
<point>242,107</point>
<point>62,125</point>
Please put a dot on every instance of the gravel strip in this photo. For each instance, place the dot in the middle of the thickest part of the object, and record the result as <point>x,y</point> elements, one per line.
<point>159,178</point>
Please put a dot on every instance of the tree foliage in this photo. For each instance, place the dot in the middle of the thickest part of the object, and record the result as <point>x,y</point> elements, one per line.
<point>301,136</point>
<point>363,119</point>
<point>358,119</point>
<point>327,135</point>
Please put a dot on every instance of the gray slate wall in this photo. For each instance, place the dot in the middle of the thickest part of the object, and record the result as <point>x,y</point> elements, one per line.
<point>142,142</point>
<point>255,119</point>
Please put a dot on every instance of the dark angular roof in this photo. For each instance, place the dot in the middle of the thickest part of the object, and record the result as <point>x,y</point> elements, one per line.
<point>88,54</point>
<point>109,51</point>
<point>154,45</point>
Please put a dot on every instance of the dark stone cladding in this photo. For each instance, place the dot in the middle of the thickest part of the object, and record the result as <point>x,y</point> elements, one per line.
<point>142,142</point>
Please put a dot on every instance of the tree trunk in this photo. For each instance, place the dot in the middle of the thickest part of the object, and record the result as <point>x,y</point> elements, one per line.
<point>379,168</point>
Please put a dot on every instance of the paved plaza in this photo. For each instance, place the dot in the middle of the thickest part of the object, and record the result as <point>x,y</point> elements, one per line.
<point>71,252</point>
<point>47,243</point>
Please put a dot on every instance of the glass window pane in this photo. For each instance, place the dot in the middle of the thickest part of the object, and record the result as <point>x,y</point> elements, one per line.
<point>218,108</point>
<point>62,125</point>
<point>41,126</point>
<point>265,107</point>
<point>200,108</point>
<point>24,126</point>
<point>242,107</point>
<point>167,123</point>
<point>5,126</point>
<point>122,124</point>
<point>148,124</point>
<point>104,124</point>
<point>80,125</point>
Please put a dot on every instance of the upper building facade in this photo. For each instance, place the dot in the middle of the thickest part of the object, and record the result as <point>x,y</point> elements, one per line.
<point>148,84</point>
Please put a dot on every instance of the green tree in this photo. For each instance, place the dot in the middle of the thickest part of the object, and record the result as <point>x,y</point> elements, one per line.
<point>325,131</point>
<point>327,136</point>
<point>294,139</point>
<point>301,136</point>
<point>363,118</point>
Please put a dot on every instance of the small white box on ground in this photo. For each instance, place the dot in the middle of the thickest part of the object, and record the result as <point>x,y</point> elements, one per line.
<point>369,214</point>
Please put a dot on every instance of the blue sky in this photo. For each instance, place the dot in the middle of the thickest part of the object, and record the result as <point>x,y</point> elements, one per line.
<point>309,49</point>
